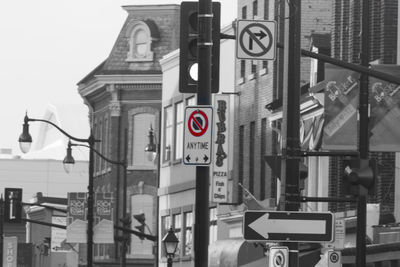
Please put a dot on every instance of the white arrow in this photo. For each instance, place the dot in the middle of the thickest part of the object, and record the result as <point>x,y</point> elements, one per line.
<point>265,226</point>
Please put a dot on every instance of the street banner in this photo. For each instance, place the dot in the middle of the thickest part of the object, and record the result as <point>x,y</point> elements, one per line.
<point>59,235</point>
<point>221,142</point>
<point>341,108</point>
<point>10,248</point>
<point>384,123</point>
<point>76,218</point>
<point>103,228</point>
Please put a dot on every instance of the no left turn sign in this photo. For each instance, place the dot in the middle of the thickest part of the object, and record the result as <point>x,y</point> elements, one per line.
<point>256,39</point>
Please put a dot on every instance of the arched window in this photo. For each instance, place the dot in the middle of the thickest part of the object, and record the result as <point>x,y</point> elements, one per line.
<point>140,128</point>
<point>141,34</point>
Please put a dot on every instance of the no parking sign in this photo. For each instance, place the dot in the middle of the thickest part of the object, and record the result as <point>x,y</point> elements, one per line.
<point>197,135</point>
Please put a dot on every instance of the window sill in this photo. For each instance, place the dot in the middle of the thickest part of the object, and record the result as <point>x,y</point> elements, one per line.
<point>177,161</point>
<point>141,167</point>
<point>251,77</point>
<point>263,72</point>
<point>186,258</point>
<point>240,81</point>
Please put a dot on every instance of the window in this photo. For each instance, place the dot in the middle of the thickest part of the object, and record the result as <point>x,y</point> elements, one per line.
<point>262,161</point>
<point>266,9</point>
<point>188,234</point>
<point>140,40</point>
<point>244,12</point>
<point>242,68</point>
<point>191,101</point>
<point>168,133</point>
<point>106,141</point>
<point>255,8</point>
<point>213,225</point>
<point>141,204</point>
<point>251,157</point>
<point>165,225</point>
<point>265,66</point>
<point>177,226</point>
<point>178,130</point>
<point>241,159</point>
<point>253,66</point>
<point>141,123</point>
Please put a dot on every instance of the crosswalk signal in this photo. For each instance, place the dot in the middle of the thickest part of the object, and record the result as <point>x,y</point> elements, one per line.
<point>13,205</point>
<point>188,57</point>
<point>359,176</point>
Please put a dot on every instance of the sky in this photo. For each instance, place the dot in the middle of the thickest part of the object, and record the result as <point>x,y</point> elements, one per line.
<point>48,46</point>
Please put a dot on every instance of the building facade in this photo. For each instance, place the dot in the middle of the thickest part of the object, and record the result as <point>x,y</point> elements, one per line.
<point>124,98</point>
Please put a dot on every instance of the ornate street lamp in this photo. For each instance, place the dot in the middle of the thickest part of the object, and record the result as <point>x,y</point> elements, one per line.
<point>151,148</point>
<point>170,242</point>
<point>25,141</point>
<point>68,161</point>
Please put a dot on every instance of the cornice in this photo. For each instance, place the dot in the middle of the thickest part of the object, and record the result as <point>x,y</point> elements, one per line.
<point>170,60</point>
<point>101,80</point>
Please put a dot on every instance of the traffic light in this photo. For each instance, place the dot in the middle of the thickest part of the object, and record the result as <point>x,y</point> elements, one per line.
<point>13,205</point>
<point>126,223</point>
<point>359,176</point>
<point>142,220</point>
<point>188,57</point>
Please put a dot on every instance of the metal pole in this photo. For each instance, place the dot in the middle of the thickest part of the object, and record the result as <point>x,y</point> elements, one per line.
<point>169,261</point>
<point>202,215</point>
<point>291,121</point>
<point>1,229</point>
<point>361,246</point>
<point>90,200</point>
<point>124,185</point>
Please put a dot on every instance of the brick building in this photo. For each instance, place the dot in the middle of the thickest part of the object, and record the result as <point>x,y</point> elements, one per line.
<point>345,45</point>
<point>259,84</point>
<point>124,95</point>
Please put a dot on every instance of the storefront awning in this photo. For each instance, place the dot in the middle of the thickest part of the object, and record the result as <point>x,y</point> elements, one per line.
<point>236,252</point>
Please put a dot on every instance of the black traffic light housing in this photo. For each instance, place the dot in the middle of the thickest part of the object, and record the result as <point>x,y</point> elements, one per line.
<point>274,162</point>
<point>13,205</point>
<point>188,57</point>
<point>142,220</point>
<point>359,176</point>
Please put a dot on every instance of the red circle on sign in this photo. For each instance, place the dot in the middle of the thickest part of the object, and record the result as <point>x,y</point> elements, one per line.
<point>198,125</point>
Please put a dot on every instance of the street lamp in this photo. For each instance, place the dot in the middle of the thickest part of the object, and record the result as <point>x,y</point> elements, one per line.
<point>69,160</point>
<point>25,141</point>
<point>151,148</point>
<point>170,242</point>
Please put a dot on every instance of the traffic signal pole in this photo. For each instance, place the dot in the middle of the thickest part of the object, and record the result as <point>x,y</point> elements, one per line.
<point>363,143</point>
<point>202,215</point>
<point>291,119</point>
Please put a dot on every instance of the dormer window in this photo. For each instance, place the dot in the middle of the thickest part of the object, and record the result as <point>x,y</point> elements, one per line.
<point>141,34</point>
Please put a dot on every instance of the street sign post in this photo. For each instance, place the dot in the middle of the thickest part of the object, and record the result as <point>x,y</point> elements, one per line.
<point>256,39</point>
<point>197,136</point>
<point>288,226</point>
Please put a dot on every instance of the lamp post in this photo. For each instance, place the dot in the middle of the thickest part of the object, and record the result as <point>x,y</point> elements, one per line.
<point>69,160</point>
<point>25,141</point>
<point>170,242</point>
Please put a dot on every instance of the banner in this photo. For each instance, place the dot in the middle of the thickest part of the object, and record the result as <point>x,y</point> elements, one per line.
<point>59,235</point>
<point>341,108</point>
<point>10,248</point>
<point>384,124</point>
<point>220,168</point>
<point>103,228</point>
<point>76,218</point>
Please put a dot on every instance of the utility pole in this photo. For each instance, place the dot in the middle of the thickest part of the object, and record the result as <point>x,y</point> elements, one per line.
<point>363,135</point>
<point>202,214</point>
<point>291,118</point>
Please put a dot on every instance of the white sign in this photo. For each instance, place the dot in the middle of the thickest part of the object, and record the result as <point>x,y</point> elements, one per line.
<point>334,258</point>
<point>340,233</point>
<point>256,39</point>
<point>197,136</point>
<point>59,235</point>
<point>10,248</point>
<point>221,145</point>
<point>278,256</point>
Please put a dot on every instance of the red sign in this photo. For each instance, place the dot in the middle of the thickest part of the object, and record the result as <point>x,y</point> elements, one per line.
<point>198,123</point>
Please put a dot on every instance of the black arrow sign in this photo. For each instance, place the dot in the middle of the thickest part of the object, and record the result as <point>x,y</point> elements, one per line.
<point>188,158</point>
<point>205,158</point>
<point>260,35</point>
